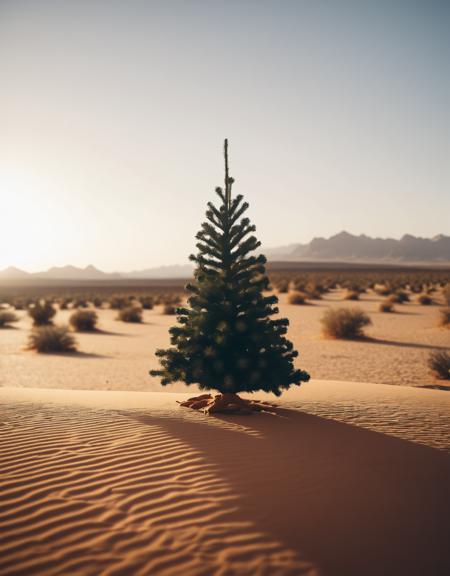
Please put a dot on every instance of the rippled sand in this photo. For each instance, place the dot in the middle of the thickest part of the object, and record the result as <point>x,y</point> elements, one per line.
<point>131,483</point>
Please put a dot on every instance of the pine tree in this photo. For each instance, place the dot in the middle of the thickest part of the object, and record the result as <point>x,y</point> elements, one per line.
<point>226,339</point>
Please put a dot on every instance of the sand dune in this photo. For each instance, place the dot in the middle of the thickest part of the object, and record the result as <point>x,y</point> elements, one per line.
<point>129,483</point>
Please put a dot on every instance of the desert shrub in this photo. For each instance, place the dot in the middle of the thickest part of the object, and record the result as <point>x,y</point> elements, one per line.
<point>118,302</point>
<point>282,286</point>
<point>351,295</point>
<point>299,285</point>
<point>7,318</point>
<point>313,291</point>
<point>446,294</point>
<point>84,320</point>
<point>42,313</point>
<point>345,322</point>
<point>297,298</point>
<point>19,304</point>
<point>386,306</point>
<point>425,300</point>
<point>97,302</point>
<point>439,362</point>
<point>169,309</point>
<point>80,303</point>
<point>445,317</point>
<point>146,302</point>
<point>383,290</point>
<point>64,303</point>
<point>130,314</point>
<point>398,297</point>
<point>174,299</point>
<point>402,296</point>
<point>52,339</point>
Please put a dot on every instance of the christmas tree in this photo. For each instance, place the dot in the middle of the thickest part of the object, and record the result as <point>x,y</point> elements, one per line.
<point>226,339</point>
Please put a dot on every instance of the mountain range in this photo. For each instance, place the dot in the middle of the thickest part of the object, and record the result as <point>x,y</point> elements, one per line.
<point>345,247</point>
<point>342,247</point>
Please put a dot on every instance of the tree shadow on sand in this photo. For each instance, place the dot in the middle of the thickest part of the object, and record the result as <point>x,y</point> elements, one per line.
<point>352,501</point>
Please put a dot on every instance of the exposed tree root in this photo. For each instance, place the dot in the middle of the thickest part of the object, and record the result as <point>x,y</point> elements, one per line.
<point>226,404</point>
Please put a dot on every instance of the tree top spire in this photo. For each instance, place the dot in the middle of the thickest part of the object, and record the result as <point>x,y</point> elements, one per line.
<point>228,180</point>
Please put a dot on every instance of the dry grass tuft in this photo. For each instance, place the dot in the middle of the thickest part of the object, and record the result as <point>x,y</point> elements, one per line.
<point>169,309</point>
<point>351,295</point>
<point>84,320</point>
<point>439,362</point>
<point>42,313</point>
<point>7,318</point>
<point>49,339</point>
<point>297,298</point>
<point>445,317</point>
<point>130,314</point>
<point>386,306</point>
<point>425,300</point>
<point>345,322</point>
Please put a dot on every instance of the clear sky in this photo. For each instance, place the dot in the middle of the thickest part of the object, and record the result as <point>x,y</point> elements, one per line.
<point>113,113</point>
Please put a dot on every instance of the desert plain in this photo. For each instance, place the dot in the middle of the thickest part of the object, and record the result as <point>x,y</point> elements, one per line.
<point>102,471</point>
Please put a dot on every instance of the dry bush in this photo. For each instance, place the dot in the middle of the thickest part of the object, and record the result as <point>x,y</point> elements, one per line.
<point>97,302</point>
<point>402,296</point>
<point>80,303</point>
<point>64,303</point>
<point>314,291</point>
<point>398,297</point>
<point>42,313</point>
<point>386,306</point>
<point>297,298</point>
<point>84,320</point>
<point>52,339</point>
<point>169,309</point>
<point>7,318</point>
<point>118,302</point>
<point>174,299</point>
<point>383,290</point>
<point>351,295</point>
<point>445,317</point>
<point>446,294</point>
<point>282,286</point>
<point>425,300</point>
<point>345,322</point>
<point>130,314</point>
<point>439,362</point>
<point>146,302</point>
<point>19,304</point>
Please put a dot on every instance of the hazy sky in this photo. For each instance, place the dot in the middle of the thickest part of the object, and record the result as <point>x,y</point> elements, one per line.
<point>112,117</point>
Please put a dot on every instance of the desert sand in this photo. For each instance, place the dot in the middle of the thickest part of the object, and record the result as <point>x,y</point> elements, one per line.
<point>120,355</point>
<point>97,482</point>
<point>103,473</point>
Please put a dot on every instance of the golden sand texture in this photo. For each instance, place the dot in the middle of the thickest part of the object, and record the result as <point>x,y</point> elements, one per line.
<point>130,483</point>
<point>120,355</point>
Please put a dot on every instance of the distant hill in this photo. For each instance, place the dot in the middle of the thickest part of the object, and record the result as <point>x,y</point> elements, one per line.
<point>91,273</point>
<point>12,273</point>
<point>342,247</point>
<point>74,273</point>
<point>59,273</point>
<point>346,247</point>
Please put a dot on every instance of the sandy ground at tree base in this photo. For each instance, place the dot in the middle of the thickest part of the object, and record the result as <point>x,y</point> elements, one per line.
<point>343,479</point>
<point>120,355</point>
